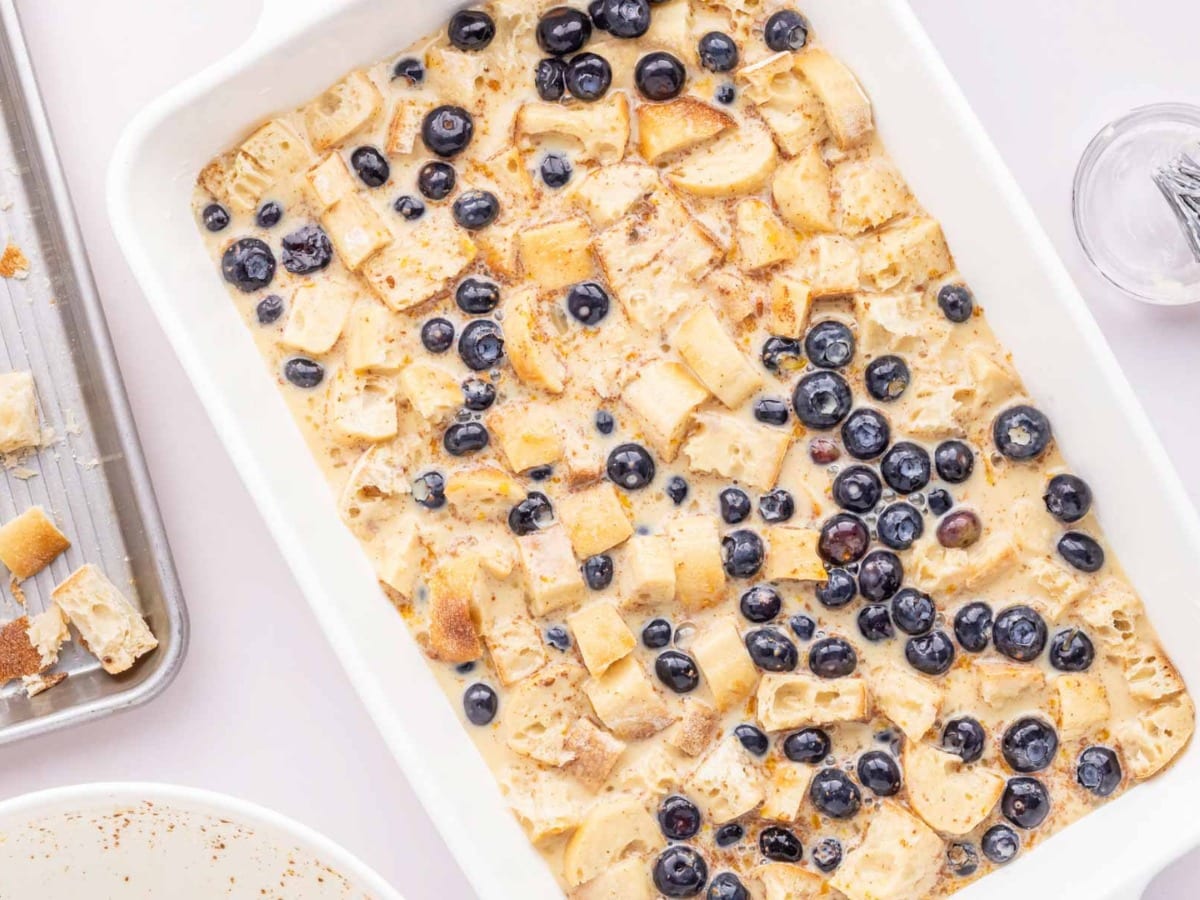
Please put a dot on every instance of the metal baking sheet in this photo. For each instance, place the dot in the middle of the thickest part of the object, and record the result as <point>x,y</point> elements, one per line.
<point>89,473</point>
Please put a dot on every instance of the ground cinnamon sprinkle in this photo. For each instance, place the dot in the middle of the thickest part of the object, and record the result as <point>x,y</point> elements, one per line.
<point>17,655</point>
<point>13,264</point>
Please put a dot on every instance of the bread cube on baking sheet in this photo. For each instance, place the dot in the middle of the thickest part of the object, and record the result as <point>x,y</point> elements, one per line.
<point>715,359</point>
<point>900,858</point>
<point>552,577</point>
<point>430,389</point>
<point>540,712</point>
<point>453,599</point>
<point>666,128</point>
<point>601,129</point>
<point>802,191</point>
<point>30,542</point>
<point>696,550</point>
<point>19,425</point>
<point>329,181</point>
<point>792,555</point>
<point>663,396</point>
<point>625,701</point>
<point>534,360</point>
<point>647,572</point>
<point>557,254</point>
<point>594,753</point>
<point>763,240</point>
<point>847,108</point>
<point>913,703</point>
<point>725,444</point>
<point>791,701</point>
<point>950,795</point>
<point>319,310</point>
<point>624,881</point>
<point>787,786</point>
<point>595,519</point>
<point>1151,738</point>
<point>786,881</point>
<point>433,253</point>
<point>356,230</point>
<point>613,829</point>
<point>111,628</point>
<point>601,636</point>
<point>527,434</point>
<point>696,729</point>
<point>727,784</point>
<point>1082,704</point>
<point>722,658</point>
<point>362,407</point>
<point>342,110</point>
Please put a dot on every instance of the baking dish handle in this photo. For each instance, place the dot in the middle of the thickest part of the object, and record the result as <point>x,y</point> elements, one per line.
<point>282,18</point>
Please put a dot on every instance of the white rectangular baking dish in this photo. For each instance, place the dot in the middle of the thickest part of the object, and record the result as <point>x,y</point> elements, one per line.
<point>300,48</point>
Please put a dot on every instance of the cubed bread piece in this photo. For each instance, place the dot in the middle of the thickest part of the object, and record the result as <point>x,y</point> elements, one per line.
<point>696,729</point>
<point>534,360</point>
<point>453,632</point>
<point>734,294</point>
<point>516,648</point>
<point>627,880</point>
<point>18,656</point>
<point>1153,737</point>
<point>1150,674</point>
<point>763,240</point>
<point>595,519</point>
<point>740,161</point>
<point>847,108</point>
<point>870,191</point>
<point>724,662</point>
<point>727,784</point>
<point>951,796</point>
<point>663,396</point>
<point>786,881</point>
<point>329,181</point>
<point>552,577</point>
<point>715,359</point>
<point>111,628</point>
<point>268,156</point>
<point>791,303</point>
<point>601,129</point>
<point>801,189</point>
<point>409,272</point>
<point>527,434</point>
<point>319,310</point>
<point>830,264</point>
<point>545,804</point>
<point>1003,682</point>
<point>666,128</point>
<point>913,703</point>
<point>909,254</point>
<point>236,179</point>
<point>362,407</point>
<point>356,230</point>
<point>786,102</point>
<point>430,389</point>
<point>397,558</point>
<point>1110,612</point>
<point>373,338</point>
<point>342,110</point>
<point>624,699</point>
<point>612,830</point>
<point>601,636</point>
<point>19,427</point>
<point>654,293</point>
<point>1082,704</point>
<point>792,555</point>
<point>540,711</point>
<point>277,149</point>
<point>724,444</point>
<point>940,570</point>
<point>594,751</point>
<point>671,29</point>
<point>647,572</point>
<point>404,128</point>
<point>608,194</point>
<point>699,572</point>
<point>896,323</point>
<point>899,859</point>
<point>791,701</point>
<point>482,493</point>
<point>29,542</point>
<point>557,254</point>
<point>47,633</point>
<point>40,683</point>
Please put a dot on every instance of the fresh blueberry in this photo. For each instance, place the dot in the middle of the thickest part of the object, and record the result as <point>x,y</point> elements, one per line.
<point>875,623</point>
<point>735,505</point>
<point>677,671</point>
<point>834,794</point>
<point>656,633</point>
<point>596,12</point>
<point>588,303</point>
<point>216,217</point>
<point>771,411</point>
<point>1071,651</point>
<point>1025,802</point>
<point>727,886</point>
<point>780,353</point>
<point>954,461</point>
<point>932,654</point>
<point>742,553</point>
<point>956,302</point>
<point>1029,745</point>
<point>1022,433</point>
<point>964,737</point>
<point>866,434</point>
<point>474,210</point>
<point>437,335</point>
<point>776,506</point>
<point>531,514</point>
<point>463,438</point>
<point>540,473</point>
<point>303,372</point>
<point>371,165</point>
<point>959,530</point>
<point>900,526</point>
<point>802,626</point>
<point>973,627</point>
<point>269,309</point>
<point>480,703</point>
<point>837,590</point>
<point>940,501</point>
<point>556,170</point>
<point>465,668</point>
<point>481,345</point>
<point>306,250</point>
<point>679,870</point>
<point>829,345</point>
<point>659,76</point>
<point>478,394</point>
<point>906,468</point>
<point>844,539</point>
<point>269,214</point>
<point>471,29</point>
<point>725,94</point>
<point>550,79</point>
<point>752,739</point>
<point>558,638</point>
<point>477,297</point>
<point>588,77</point>
<point>913,612</point>
<point>676,489</point>
<point>1098,771</point>
<point>786,30</point>
<point>887,378</point>
<point>962,859</point>
<point>728,835</point>
<point>718,52</point>
<point>598,573</point>
<point>822,400</point>
<point>248,265</point>
<point>605,423</point>
<point>436,180</point>
<point>1000,844</point>
<point>772,650</point>
<point>563,30</point>
<point>1068,498</point>
<point>827,854</point>
<point>627,18</point>
<point>1020,633</point>
<point>809,745</point>
<point>761,603</point>
<point>857,489</point>
<point>779,844</point>
<point>409,207</point>
<point>410,69</point>
<point>630,466</point>
<point>679,818</point>
<point>880,576</point>
<point>1081,551</point>
<point>832,658</point>
<point>879,773</point>
<point>447,130</point>
<point>429,490</point>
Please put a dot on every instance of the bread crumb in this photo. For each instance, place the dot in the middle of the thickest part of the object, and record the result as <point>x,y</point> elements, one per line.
<point>13,263</point>
<point>14,585</point>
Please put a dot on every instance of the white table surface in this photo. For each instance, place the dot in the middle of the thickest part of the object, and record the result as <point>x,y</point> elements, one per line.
<point>262,709</point>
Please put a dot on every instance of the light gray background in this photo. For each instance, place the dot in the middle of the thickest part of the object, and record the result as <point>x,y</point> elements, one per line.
<point>262,708</point>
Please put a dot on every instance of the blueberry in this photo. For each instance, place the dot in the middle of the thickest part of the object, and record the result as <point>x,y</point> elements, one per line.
<point>677,671</point>
<point>556,170</point>
<point>1098,771</point>
<point>834,794</point>
<point>306,250</point>
<point>474,210</point>
<point>563,30</point>
<point>481,345</point>
<point>880,576</point>
<point>772,650</point>
<point>875,623</point>
<point>464,438</point>
<point>1071,651</point>
<point>1020,633</point>
<point>659,76</point>
<point>964,737</point>
<point>447,130</point>
<point>558,638</point>
<point>761,603</point>
<point>588,77</point>
<point>540,473</point>
<point>588,303</point>
<point>1029,745</point>
<point>786,30</point>
<point>680,871</point>
<point>742,553</point>
<point>477,297</point>
<point>480,703</point>
<point>248,265</point>
<point>779,844</point>
<point>727,886</point>
<point>215,217</point>
<point>598,573</point>
<point>940,501</point>
<point>656,633</point>
<point>780,353</point>
<point>605,423</point>
<point>269,309</point>
<point>676,489</point>
<point>429,490</point>
<point>823,451</point>
<point>1025,802</point>
<point>822,400</point>
<point>973,627</point>
<point>436,180</point>
<point>887,378</point>
<point>857,489</point>
<point>776,506</point>
<point>718,52</point>
<point>465,668</point>
<point>678,817</point>
<point>752,739</point>
<point>900,526</point>
<point>730,834</point>
<point>1022,433</point>
<point>531,514</point>
<point>1000,844</point>
<point>478,394</point>
<point>630,466</point>
<point>829,345</point>
<point>809,745</point>
<point>837,590</point>
<point>1068,498</point>
<point>932,654</point>
<point>962,859</point>
<point>956,302</point>
<point>596,12</point>
<point>906,468</point>
<point>844,539</point>
<point>832,658</point>
<point>771,410</point>
<point>879,773</point>
<point>371,165</point>
<point>959,530</point>
<point>725,93</point>
<point>410,208</point>
<point>471,29</point>
<point>303,372</point>
<point>913,612</point>
<point>954,461</point>
<point>1081,551</point>
<point>802,626</point>
<point>827,854</point>
<point>866,434</point>
<point>550,79</point>
<point>268,214</point>
<point>437,335</point>
<point>627,18</point>
<point>410,69</point>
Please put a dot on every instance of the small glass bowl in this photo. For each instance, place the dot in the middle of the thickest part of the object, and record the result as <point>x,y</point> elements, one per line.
<point>1125,224</point>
